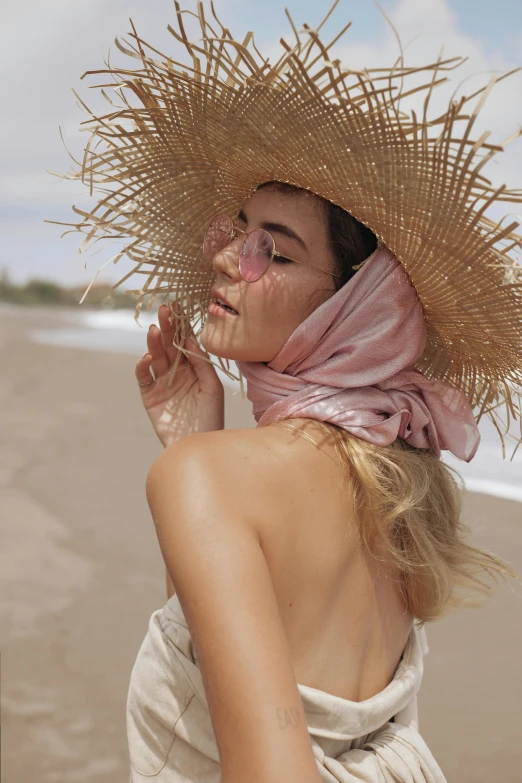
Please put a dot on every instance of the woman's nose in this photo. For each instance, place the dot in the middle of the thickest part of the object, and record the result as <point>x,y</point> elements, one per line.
<point>227,260</point>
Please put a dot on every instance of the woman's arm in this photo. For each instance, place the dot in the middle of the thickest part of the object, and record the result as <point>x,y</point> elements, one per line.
<point>204,493</point>
<point>170,587</point>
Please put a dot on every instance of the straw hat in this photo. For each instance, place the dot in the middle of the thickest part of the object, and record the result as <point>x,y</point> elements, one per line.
<point>181,142</point>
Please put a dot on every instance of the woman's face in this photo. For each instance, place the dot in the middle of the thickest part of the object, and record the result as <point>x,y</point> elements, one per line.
<point>272,307</point>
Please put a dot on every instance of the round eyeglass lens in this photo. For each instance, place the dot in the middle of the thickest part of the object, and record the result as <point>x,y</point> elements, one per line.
<point>255,254</point>
<point>217,236</point>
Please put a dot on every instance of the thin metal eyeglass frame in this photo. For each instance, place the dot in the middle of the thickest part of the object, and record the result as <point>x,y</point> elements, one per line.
<point>274,251</point>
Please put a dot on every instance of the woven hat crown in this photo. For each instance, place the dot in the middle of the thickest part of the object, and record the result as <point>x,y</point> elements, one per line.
<point>188,140</point>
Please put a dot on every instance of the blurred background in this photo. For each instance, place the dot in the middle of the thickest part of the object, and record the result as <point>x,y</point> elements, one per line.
<point>80,567</point>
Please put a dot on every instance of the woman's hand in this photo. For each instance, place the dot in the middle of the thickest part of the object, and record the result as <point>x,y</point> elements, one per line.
<point>195,401</point>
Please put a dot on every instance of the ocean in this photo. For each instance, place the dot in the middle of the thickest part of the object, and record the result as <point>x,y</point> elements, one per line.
<point>116,331</point>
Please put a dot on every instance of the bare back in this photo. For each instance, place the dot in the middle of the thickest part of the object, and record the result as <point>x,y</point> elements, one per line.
<point>342,611</point>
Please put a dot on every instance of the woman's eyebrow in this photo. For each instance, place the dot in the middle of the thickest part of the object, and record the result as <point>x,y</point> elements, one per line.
<point>277,228</point>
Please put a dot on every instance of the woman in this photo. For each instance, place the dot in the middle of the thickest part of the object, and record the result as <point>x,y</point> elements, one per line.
<point>260,528</point>
<point>349,270</point>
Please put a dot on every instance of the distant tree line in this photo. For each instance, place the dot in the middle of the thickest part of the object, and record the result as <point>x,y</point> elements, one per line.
<point>38,291</point>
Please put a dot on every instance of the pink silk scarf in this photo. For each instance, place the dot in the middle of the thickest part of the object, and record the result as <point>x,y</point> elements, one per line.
<point>350,362</point>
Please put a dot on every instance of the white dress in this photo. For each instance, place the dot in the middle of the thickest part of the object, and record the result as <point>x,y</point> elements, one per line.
<point>171,737</point>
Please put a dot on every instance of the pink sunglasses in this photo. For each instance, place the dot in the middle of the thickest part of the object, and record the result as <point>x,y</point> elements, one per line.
<point>256,253</point>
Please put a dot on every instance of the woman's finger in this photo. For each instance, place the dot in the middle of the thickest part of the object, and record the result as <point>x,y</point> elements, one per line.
<point>204,371</point>
<point>169,329</point>
<point>181,319</point>
<point>160,362</point>
<point>143,373</point>
<point>206,374</point>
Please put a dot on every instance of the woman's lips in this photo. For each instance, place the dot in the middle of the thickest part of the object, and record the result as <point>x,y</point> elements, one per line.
<point>217,295</point>
<point>215,309</point>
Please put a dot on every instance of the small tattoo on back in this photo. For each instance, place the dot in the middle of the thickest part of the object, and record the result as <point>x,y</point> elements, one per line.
<point>288,718</point>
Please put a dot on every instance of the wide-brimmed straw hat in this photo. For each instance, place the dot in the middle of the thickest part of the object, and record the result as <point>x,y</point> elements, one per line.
<point>182,142</point>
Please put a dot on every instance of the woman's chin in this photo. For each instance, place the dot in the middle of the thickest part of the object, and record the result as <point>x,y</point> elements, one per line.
<point>215,344</point>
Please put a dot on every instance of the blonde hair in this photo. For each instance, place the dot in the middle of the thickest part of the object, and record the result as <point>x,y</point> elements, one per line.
<point>409,505</point>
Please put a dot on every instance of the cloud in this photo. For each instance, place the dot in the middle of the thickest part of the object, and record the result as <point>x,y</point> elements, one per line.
<point>424,28</point>
<point>48,46</point>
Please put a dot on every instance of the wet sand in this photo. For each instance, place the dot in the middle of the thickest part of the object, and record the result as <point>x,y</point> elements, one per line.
<point>81,572</point>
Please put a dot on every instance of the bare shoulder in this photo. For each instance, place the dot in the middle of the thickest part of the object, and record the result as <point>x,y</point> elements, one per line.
<point>229,468</point>
<point>273,472</point>
<point>226,454</point>
<point>289,485</point>
<point>279,454</point>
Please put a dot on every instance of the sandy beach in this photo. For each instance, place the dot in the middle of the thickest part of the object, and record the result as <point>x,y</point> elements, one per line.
<point>81,573</point>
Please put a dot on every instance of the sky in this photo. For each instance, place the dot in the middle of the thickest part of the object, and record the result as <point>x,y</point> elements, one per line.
<point>48,46</point>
